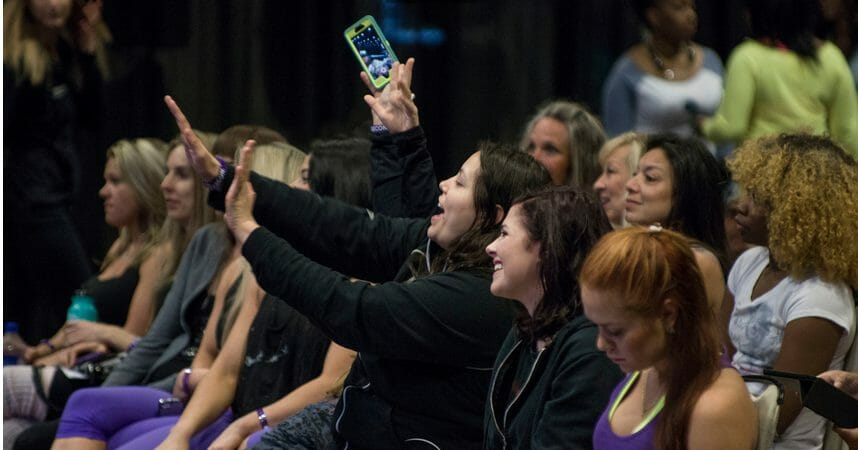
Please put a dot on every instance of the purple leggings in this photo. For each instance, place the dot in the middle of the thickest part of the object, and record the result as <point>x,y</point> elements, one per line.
<point>128,417</point>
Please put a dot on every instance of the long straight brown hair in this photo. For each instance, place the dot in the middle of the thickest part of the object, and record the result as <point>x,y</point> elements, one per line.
<point>645,267</point>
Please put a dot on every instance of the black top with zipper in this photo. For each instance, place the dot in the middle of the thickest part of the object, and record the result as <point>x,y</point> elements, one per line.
<point>549,398</point>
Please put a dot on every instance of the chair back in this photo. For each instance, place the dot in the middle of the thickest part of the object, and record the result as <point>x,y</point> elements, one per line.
<point>768,405</point>
<point>832,440</point>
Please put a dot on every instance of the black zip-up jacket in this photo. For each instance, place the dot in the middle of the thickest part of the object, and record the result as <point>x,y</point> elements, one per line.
<point>566,389</point>
<point>426,347</point>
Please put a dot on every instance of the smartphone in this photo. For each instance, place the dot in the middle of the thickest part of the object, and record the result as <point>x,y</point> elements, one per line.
<point>822,398</point>
<point>371,49</point>
<point>170,406</point>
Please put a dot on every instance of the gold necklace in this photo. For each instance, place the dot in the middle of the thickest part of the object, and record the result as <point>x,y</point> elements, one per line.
<point>667,72</point>
<point>644,409</point>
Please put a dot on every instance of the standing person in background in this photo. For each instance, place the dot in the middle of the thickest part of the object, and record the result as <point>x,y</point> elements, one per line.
<point>565,138</point>
<point>785,80</point>
<point>51,82</point>
<point>660,83</point>
<point>840,17</point>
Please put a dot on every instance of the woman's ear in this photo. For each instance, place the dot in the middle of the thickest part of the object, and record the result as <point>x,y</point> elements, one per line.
<point>499,213</point>
<point>668,315</point>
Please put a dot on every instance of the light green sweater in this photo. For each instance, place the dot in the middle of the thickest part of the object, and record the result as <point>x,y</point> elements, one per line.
<point>770,90</point>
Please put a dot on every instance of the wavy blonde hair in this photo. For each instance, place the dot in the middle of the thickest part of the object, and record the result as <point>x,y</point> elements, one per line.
<point>25,54</point>
<point>142,163</point>
<point>177,235</point>
<point>809,187</point>
<point>280,162</point>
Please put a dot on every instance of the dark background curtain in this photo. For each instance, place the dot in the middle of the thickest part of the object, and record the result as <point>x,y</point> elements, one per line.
<point>483,67</point>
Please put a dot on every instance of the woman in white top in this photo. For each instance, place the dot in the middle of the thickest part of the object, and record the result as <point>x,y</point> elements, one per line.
<point>794,309</point>
<point>661,82</point>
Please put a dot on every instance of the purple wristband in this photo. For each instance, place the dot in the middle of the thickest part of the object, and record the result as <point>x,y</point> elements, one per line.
<point>378,130</point>
<point>263,418</point>
<point>48,343</point>
<point>133,344</point>
<point>186,381</point>
<point>215,184</point>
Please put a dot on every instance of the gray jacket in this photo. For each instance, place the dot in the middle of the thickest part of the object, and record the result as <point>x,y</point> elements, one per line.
<point>170,333</point>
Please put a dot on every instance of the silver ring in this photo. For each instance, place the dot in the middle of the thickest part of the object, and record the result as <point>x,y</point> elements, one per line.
<point>413,95</point>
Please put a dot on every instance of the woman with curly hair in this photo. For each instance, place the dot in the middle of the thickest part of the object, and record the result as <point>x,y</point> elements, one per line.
<point>793,305</point>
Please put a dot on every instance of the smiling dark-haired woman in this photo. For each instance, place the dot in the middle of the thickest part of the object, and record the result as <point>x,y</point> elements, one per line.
<point>550,382</point>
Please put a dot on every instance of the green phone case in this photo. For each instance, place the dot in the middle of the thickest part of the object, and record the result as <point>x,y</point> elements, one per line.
<point>371,49</point>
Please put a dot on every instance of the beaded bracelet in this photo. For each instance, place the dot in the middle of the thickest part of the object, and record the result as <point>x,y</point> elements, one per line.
<point>263,418</point>
<point>186,381</point>
<point>215,183</point>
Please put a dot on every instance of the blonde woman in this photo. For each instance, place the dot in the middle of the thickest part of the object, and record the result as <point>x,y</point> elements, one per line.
<point>50,80</point>
<point>619,160</point>
<point>280,161</point>
<point>123,291</point>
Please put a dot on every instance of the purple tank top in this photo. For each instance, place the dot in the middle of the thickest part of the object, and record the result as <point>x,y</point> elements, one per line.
<point>604,437</point>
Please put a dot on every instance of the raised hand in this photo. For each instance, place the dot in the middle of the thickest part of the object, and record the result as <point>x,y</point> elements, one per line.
<point>241,197</point>
<point>88,21</point>
<point>203,162</point>
<point>394,106</point>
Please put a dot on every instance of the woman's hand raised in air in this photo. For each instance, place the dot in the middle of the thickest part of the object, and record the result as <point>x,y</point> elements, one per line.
<point>241,197</point>
<point>394,105</point>
<point>204,163</point>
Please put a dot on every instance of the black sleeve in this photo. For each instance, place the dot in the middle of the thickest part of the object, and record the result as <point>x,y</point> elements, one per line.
<point>348,239</point>
<point>448,318</point>
<point>88,99</point>
<point>403,175</point>
<point>9,93</point>
<point>581,387</point>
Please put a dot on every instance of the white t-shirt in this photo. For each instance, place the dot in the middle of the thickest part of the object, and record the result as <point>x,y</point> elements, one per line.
<point>756,329</point>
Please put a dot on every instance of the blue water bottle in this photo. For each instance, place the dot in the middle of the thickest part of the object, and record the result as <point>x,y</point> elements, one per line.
<point>82,307</point>
<point>13,344</point>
